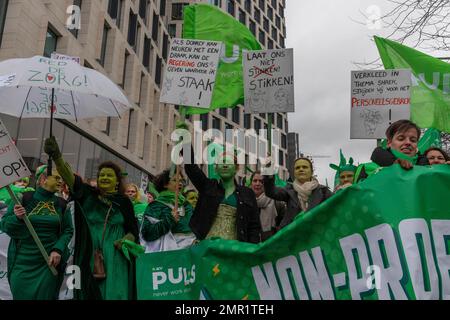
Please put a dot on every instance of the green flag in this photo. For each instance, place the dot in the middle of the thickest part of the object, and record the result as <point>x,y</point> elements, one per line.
<point>431,138</point>
<point>430,91</point>
<point>207,22</point>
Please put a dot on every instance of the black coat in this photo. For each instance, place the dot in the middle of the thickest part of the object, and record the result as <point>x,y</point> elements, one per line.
<point>385,158</point>
<point>211,194</point>
<point>289,195</point>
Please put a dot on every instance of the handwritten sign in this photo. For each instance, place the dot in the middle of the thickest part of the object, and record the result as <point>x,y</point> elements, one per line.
<point>59,56</point>
<point>379,98</point>
<point>268,81</point>
<point>12,166</point>
<point>190,72</point>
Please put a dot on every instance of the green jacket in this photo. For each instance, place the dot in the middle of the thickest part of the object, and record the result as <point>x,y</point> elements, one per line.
<point>167,223</point>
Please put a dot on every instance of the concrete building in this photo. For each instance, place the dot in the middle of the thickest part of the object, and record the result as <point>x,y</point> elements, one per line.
<point>293,151</point>
<point>128,41</point>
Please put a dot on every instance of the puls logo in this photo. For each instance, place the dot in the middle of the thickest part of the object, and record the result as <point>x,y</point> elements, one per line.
<point>174,276</point>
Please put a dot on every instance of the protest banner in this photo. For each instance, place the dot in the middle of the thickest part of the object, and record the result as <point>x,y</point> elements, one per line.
<point>59,56</point>
<point>268,81</point>
<point>378,98</point>
<point>12,166</point>
<point>190,72</point>
<point>375,240</point>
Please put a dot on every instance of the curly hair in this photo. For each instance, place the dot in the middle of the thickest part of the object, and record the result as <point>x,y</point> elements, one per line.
<point>117,170</point>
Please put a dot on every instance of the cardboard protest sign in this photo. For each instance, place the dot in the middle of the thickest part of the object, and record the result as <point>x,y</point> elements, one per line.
<point>190,72</point>
<point>63,57</point>
<point>379,98</point>
<point>268,81</point>
<point>12,166</point>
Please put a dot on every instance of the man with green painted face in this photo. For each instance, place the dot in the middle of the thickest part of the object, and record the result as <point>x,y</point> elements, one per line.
<point>29,275</point>
<point>224,209</point>
<point>105,231</point>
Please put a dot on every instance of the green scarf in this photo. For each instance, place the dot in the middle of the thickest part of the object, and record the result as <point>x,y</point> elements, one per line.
<point>403,156</point>
<point>168,197</point>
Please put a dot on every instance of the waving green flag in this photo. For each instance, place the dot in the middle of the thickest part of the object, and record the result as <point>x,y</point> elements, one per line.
<point>430,92</point>
<point>207,22</point>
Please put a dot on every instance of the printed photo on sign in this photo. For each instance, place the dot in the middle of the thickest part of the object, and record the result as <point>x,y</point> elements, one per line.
<point>268,81</point>
<point>190,72</point>
<point>378,98</point>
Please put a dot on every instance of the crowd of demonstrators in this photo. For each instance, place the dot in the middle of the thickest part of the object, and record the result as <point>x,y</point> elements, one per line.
<point>29,275</point>
<point>302,195</point>
<point>112,217</point>
<point>271,211</point>
<point>104,224</point>
<point>166,223</point>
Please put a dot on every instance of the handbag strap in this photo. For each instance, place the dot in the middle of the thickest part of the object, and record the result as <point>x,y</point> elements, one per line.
<point>104,226</point>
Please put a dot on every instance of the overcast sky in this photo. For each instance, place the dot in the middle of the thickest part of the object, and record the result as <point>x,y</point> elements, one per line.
<point>326,42</point>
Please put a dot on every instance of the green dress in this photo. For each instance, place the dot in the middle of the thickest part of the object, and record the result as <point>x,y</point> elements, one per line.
<point>90,214</point>
<point>224,225</point>
<point>28,274</point>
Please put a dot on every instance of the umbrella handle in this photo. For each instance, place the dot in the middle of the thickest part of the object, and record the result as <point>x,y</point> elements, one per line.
<point>49,162</point>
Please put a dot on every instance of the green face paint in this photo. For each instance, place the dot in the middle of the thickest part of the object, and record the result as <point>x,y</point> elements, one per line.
<point>107,180</point>
<point>226,168</point>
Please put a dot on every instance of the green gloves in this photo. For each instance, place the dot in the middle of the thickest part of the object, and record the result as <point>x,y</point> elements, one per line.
<point>181,125</point>
<point>133,248</point>
<point>51,148</point>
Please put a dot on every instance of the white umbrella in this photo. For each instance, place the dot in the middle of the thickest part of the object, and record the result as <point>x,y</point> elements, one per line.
<point>28,87</point>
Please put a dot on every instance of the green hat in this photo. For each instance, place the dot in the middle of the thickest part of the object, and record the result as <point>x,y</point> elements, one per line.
<point>39,171</point>
<point>343,165</point>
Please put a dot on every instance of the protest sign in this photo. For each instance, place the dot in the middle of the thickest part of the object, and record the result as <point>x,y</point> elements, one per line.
<point>190,72</point>
<point>59,56</point>
<point>268,81</point>
<point>379,98</point>
<point>373,240</point>
<point>12,166</point>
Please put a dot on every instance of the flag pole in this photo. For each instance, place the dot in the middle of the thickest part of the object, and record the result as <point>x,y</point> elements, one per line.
<point>49,162</point>
<point>33,232</point>
<point>177,167</point>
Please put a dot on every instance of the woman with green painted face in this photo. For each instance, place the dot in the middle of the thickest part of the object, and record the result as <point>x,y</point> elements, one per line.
<point>105,226</point>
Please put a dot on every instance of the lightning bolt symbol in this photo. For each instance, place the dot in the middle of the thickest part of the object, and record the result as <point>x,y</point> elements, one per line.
<point>245,298</point>
<point>216,270</point>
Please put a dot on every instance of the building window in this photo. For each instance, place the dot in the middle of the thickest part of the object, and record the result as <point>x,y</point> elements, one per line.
<point>270,44</point>
<point>236,114</point>
<point>130,117</point>
<point>155,29</point>
<point>252,27</point>
<point>162,8</point>
<point>257,15</point>
<point>108,126</point>
<point>281,159</point>
<point>223,112</point>
<point>230,7</point>
<point>3,9</point>
<point>146,56</point>
<point>143,8</point>
<point>280,121</point>
<point>262,5</point>
<point>51,41</point>
<point>278,22</point>
<point>172,30</point>
<point>113,8</point>
<point>132,25</point>
<point>274,4</point>
<point>248,6</point>
<point>262,37</point>
<point>165,47</point>
<point>158,71</point>
<point>204,121</point>
<point>217,3</point>
<point>274,34</point>
<point>124,71</point>
<point>266,25</point>
<point>216,123</point>
<point>247,124</point>
<point>104,44</point>
<point>270,13</point>
<point>283,141</point>
<point>177,11</point>
<point>241,16</point>
<point>257,125</point>
<point>282,42</point>
<point>141,89</point>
